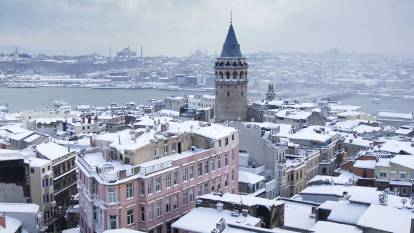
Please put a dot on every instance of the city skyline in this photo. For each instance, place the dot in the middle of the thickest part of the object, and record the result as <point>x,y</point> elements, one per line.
<point>81,27</point>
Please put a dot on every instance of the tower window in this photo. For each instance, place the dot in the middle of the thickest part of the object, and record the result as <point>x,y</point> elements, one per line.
<point>228,93</point>
<point>228,75</point>
<point>241,93</point>
<point>234,75</point>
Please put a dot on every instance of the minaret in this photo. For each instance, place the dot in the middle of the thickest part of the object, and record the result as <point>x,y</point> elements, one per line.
<point>270,95</point>
<point>231,81</point>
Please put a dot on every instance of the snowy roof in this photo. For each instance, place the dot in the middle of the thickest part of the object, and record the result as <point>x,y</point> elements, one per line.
<point>127,142</point>
<point>283,130</point>
<point>298,215</point>
<point>293,114</point>
<point>356,140</point>
<point>404,131</point>
<point>383,162</point>
<point>346,125</point>
<point>32,138</point>
<point>346,212</point>
<point>367,164</point>
<point>6,154</point>
<point>72,230</point>
<point>362,128</point>
<point>249,178</point>
<point>204,220</point>
<point>21,136</point>
<point>341,179</point>
<point>359,194</point>
<point>167,112</point>
<point>405,116</point>
<point>326,227</point>
<point>180,127</point>
<point>36,162</point>
<point>215,131</point>
<point>349,114</point>
<point>386,218</point>
<point>11,224</point>
<point>314,133</point>
<point>122,230</point>
<point>19,208</point>
<point>404,160</point>
<point>245,199</point>
<point>51,150</point>
<point>396,147</point>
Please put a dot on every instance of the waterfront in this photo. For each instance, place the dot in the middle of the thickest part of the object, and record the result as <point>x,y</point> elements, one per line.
<point>20,99</point>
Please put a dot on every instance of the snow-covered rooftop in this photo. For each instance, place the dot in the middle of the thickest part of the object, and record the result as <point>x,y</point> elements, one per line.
<point>386,218</point>
<point>249,178</point>
<point>404,160</point>
<point>314,133</point>
<point>366,164</point>
<point>215,131</point>
<point>346,212</point>
<point>51,150</point>
<point>245,199</point>
<point>204,220</point>
<point>327,227</point>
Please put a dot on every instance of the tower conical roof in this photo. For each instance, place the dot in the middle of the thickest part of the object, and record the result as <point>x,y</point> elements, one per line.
<point>231,47</point>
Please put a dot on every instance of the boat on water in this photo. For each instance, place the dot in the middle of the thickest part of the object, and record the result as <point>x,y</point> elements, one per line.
<point>4,108</point>
<point>21,85</point>
<point>59,103</point>
<point>376,100</point>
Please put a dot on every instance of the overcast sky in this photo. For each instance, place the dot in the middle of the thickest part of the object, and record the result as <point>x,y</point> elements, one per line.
<point>172,28</point>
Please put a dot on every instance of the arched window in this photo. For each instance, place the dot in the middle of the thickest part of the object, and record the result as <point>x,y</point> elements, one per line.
<point>228,63</point>
<point>323,170</point>
<point>221,75</point>
<point>234,74</point>
<point>241,93</point>
<point>228,93</point>
<point>241,75</point>
<point>228,74</point>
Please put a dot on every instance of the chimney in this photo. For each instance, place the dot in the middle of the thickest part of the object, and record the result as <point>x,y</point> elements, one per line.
<point>89,119</point>
<point>119,139</point>
<point>219,206</point>
<point>2,220</point>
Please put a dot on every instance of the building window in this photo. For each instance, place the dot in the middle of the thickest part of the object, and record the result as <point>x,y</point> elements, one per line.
<point>113,222</point>
<point>226,160</point>
<point>130,190</point>
<point>213,164</point>
<point>200,169</point>
<point>176,201</point>
<point>168,181</point>
<point>192,171</point>
<point>150,212</point>
<point>206,188</point>
<point>111,195</point>
<point>185,175</point>
<point>185,197</point>
<point>191,194</point>
<point>206,166</point>
<point>149,185</point>
<point>168,204</point>
<point>158,184</point>
<point>142,188</point>
<point>218,162</point>
<point>232,175</point>
<point>199,190</point>
<point>142,214</point>
<point>226,180</point>
<point>158,208</point>
<point>383,175</point>
<point>175,177</point>
<point>32,170</point>
<point>226,141</point>
<point>232,137</point>
<point>219,141</point>
<point>130,216</point>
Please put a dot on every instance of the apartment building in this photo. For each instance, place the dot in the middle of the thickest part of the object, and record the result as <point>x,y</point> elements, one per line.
<point>323,139</point>
<point>147,179</point>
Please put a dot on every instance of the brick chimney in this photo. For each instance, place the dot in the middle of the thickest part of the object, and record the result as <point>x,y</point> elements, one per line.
<point>2,220</point>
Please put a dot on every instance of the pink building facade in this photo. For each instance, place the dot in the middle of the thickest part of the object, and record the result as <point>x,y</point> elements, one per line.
<point>152,195</point>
